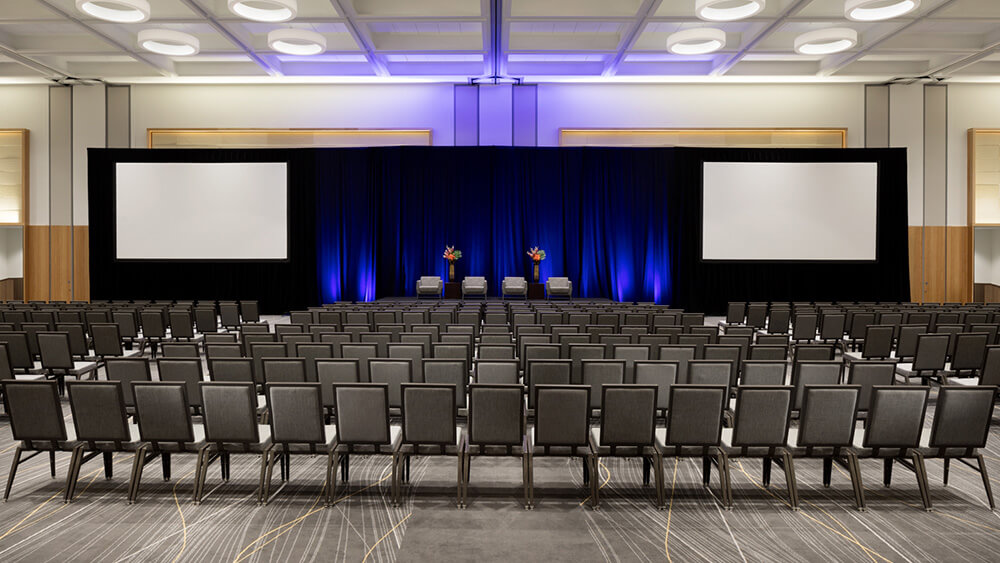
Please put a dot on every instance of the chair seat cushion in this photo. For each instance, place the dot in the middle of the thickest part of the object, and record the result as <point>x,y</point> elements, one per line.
<point>184,447</point>
<point>263,432</point>
<point>329,443</point>
<point>429,449</point>
<point>751,451</point>
<point>620,451</point>
<point>660,438</point>
<point>556,451</point>
<point>129,446</point>
<point>801,451</point>
<point>394,433</point>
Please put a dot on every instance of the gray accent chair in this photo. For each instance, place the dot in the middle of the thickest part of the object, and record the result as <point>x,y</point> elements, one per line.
<point>297,428</point>
<point>561,429</point>
<point>165,428</point>
<point>428,428</point>
<point>970,350</point>
<point>960,429</point>
<point>36,423</point>
<point>827,431</point>
<point>558,287</point>
<point>430,286</point>
<point>627,429</point>
<point>101,425</point>
<point>230,421</point>
<point>229,314</point>
<point>513,286</point>
<point>760,430</point>
<point>362,428</point>
<point>474,286</point>
<point>496,428</point>
<point>57,359</point>
<point>895,427</point>
<point>931,356</point>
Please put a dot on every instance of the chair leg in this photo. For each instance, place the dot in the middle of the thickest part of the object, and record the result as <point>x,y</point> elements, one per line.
<point>646,466</point>
<point>706,470</point>
<point>137,466</point>
<point>109,466</point>
<point>468,474</point>
<point>165,462</point>
<point>660,483</point>
<point>531,481</point>
<point>793,488</point>
<point>766,472</point>
<point>202,475</point>
<point>586,471</point>
<point>947,464</point>
<point>595,501</point>
<point>458,482</point>
<point>986,480</point>
<point>334,466</point>
<point>200,460</point>
<point>921,472</point>
<point>13,470</point>
<point>266,494</point>
<point>331,475</point>
<point>394,483</point>
<point>524,480</point>
<point>854,467</point>
<point>71,473</point>
<point>887,471</point>
<point>827,470</point>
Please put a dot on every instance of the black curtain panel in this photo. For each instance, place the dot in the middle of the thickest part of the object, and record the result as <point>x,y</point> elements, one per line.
<point>622,223</point>
<point>279,286</point>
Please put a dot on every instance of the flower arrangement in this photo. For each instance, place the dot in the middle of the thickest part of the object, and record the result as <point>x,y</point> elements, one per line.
<point>450,254</point>
<point>536,254</point>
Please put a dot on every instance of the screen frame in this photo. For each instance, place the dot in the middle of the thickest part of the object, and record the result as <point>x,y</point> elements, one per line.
<point>288,217</point>
<point>701,218</point>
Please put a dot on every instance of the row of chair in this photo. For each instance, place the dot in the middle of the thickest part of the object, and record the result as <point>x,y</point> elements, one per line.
<point>477,286</point>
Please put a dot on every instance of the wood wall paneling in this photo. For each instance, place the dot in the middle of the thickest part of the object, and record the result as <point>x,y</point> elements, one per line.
<point>916,262</point>
<point>957,268</point>
<point>61,257</point>
<point>939,261</point>
<point>36,262</point>
<point>81,263</point>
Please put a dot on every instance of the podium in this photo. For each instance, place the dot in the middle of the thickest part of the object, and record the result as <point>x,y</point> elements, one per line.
<point>452,290</point>
<point>536,291</point>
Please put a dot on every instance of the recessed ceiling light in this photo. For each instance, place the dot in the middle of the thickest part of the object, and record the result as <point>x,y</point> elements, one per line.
<point>296,41</point>
<point>727,10</point>
<point>826,41</point>
<point>272,11</point>
<point>169,42</point>
<point>699,41</point>
<point>118,11</point>
<point>875,10</point>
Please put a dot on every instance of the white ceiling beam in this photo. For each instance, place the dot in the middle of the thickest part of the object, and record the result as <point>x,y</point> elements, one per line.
<point>272,68</point>
<point>773,26</point>
<point>162,65</point>
<point>631,35</point>
<point>955,66</point>
<point>35,65</point>
<point>833,65</point>
<point>362,37</point>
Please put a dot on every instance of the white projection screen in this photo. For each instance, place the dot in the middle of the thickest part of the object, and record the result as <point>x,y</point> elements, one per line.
<point>201,211</point>
<point>813,211</point>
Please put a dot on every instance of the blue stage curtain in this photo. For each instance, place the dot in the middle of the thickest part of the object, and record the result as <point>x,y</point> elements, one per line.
<point>384,216</point>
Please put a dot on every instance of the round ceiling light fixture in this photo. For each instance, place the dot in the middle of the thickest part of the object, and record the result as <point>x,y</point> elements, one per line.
<point>727,10</point>
<point>118,11</point>
<point>169,42</point>
<point>296,42</point>
<point>877,10</point>
<point>698,41</point>
<point>270,11</point>
<point>826,41</point>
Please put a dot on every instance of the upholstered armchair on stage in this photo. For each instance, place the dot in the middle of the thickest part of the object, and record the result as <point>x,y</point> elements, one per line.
<point>514,287</point>
<point>558,287</point>
<point>429,286</point>
<point>474,285</point>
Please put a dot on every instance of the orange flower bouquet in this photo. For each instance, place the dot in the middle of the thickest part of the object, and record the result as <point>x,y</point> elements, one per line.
<point>537,255</point>
<point>451,255</point>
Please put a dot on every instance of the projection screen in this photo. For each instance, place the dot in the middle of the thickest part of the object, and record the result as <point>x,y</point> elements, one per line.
<point>815,211</point>
<point>201,211</point>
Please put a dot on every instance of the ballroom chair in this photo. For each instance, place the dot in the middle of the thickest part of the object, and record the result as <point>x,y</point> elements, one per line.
<point>428,428</point>
<point>558,287</point>
<point>430,286</point>
<point>126,372</point>
<point>57,359</point>
<point>474,286</point>
<point>444,371</point>
<point>628,429</point>
<point>186,371</point>
<point>663,374</point>
<point>763,372</point>
<point>36,423</point>
<point>496,428</point>
<point>362,428</point>
<point>596,374</point>
<point>496,372</point>
<point>297,428</point>
<point>561,429</point>
<point>513,286</point>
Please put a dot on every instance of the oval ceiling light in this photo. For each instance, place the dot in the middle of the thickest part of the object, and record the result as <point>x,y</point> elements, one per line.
<point>296,42</point>
<point>876,10</point>
<point>826,41</point>
<point>727,10</point>
<point>118,11</point>
<point>698,41</point>
<point>169,42</point>
<point>271,11</point>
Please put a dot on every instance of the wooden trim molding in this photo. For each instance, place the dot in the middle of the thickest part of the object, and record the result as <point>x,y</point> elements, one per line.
<point>419,137</point>
<point>702,132</point>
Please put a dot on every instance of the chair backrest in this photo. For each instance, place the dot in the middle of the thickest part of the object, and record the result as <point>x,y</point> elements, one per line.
<point>828,415</point>
<point>206,320</point>
<point>662,373</point>
<point>680,353</point>
<point>496,414</point>
<point>98,409</point>
<point>362,353</point>
<point>990,374</point>
<point>179,350</point>
<point>814,373</point>
<point>496,351</point>
<point>628,415</point>
<point>152,323</point>
<point>867,374</point>
<point>17,346</point>
<point>181,324</point>
<point>127,371</point>
<point>598,373</point>
<point>496,372</point>
<point>451,372</point>
<point>695,414</point>
<point>896,419</point>
<point>878,341</point>
<point>183,370</point>
<point>428,411</point>
<point>813,352</point>
<point>55,350</point>
<point>932,352</point>
<point>630,353</point>
<point>970,350</point>
<point>764,372</point>
<point>284,370</point>
<point>296,413</point>
<point>230,412</point>
<point>312,351</point>
<point>227,350</point>
<point>6,369</point>
<point>77,337</point>
<point>231,369</point>
<point>762,415</point>
<point>35,410</point>
<point>362,413</point>
<point>906,345</point>
<point>962,416</point>
<point>562,415</point>
<point>392,372</point>
<point>710,372</point>
<point>553,372</point>
<point>331,371</point>
<point>579,352</point>
<point>261,350</point>
<point>163,412</point>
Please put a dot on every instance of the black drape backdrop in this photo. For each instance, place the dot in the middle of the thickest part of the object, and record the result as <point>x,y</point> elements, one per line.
<point>623,223</point>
